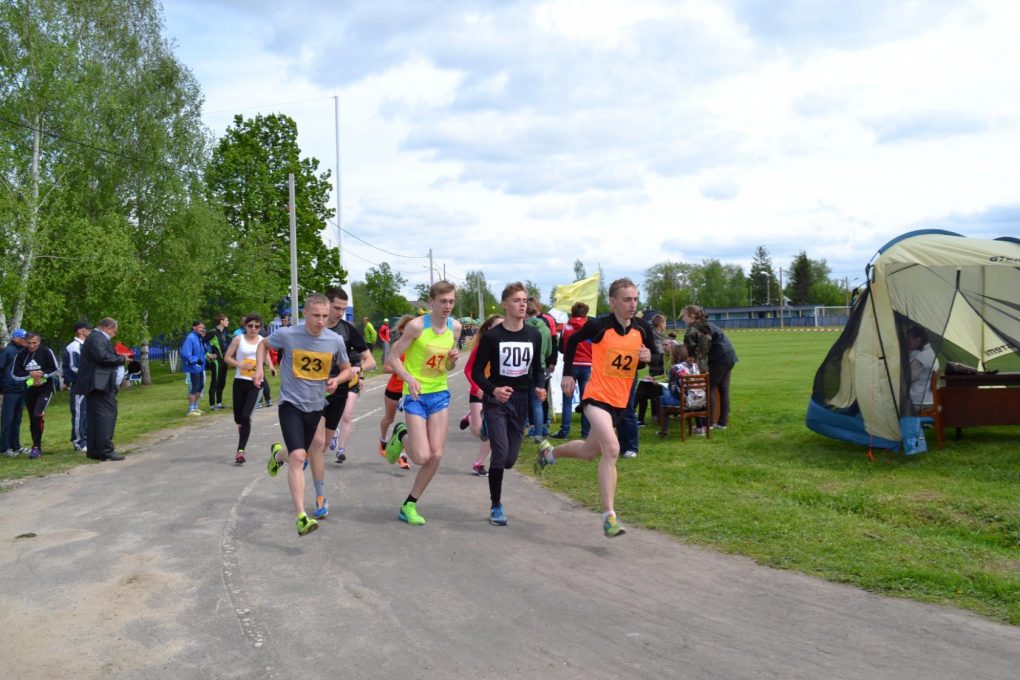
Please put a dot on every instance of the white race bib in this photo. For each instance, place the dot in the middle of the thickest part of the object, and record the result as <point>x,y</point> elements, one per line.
<point>515,358</point>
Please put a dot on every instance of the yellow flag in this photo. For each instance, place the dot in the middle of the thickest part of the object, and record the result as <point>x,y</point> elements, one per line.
<point>585,290</point>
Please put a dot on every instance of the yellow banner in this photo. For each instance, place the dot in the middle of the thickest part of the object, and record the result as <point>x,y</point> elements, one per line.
<point>585,290</point>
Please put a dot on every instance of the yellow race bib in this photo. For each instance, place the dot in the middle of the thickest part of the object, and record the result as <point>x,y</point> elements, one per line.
<point>308,365</point>
<point>248,368</point>
<point>435,361</point>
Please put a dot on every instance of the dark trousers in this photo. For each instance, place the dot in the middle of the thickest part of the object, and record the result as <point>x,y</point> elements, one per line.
<point>266,396</point>
<point>217,381</point>
<point>101,419</point>
<point>10,420</point>
<point>504,421</point>
<point>36,402</point>
<point>627,431</point>
<point>719,377</point>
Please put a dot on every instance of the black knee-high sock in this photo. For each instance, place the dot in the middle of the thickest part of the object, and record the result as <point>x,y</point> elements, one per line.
<point>495,485</point>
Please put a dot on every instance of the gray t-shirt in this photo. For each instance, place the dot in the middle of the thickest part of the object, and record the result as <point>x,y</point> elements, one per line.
<point>307,360</point>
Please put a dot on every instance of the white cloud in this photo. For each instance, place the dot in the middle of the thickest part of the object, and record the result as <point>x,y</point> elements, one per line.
<point>518,136</point>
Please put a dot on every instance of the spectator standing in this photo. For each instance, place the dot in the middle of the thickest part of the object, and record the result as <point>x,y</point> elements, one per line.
<point>710,347</point>
<point>370,333</point>
<point>72,361</point>
<point>580,372</point>
<point>14,397</point>
<point>384,337</point>
<point>218,343</point>
<point>193,356</point>
<point>35,366</point>
<point>97,380</point>
<point>539,427</point>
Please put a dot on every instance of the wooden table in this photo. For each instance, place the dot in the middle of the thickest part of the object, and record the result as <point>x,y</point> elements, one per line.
<point>973,400</point>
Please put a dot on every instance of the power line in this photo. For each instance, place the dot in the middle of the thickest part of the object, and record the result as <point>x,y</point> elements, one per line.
<point>383,250</point>
<point>62,138</point>
<point>377,264</point>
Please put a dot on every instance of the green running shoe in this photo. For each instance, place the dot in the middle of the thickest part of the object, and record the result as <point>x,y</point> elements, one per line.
<point>394,446</point>
<point>306,525</point>
<point>611,528</point>
<point>544,457</point>
<point>409,514</point>
<point>274,465</point>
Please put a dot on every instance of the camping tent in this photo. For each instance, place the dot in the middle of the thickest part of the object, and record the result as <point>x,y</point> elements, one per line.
<point>965,293</point>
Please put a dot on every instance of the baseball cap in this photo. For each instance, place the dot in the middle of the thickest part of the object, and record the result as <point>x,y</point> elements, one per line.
<point>19,333</point>
<point>82,324</point>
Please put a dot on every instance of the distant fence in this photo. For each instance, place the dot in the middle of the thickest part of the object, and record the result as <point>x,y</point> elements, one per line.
<point>838,320</point>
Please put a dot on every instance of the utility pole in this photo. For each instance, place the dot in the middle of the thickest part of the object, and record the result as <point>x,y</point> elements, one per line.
<point>432,278</point>
<point>336,183</point>
<point>293,252</point>
<point>782,300</point>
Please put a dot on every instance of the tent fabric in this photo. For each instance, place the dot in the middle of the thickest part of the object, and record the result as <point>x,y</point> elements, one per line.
<point>964,292</point>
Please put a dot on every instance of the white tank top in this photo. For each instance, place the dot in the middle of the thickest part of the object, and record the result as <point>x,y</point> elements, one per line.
<point>245,355</point>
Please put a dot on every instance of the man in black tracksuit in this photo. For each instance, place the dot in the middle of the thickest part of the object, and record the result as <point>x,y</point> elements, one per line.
<point>218,344</point>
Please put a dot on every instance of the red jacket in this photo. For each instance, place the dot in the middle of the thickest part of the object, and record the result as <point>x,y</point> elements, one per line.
<point>384,332</point>
<point>583,355</point>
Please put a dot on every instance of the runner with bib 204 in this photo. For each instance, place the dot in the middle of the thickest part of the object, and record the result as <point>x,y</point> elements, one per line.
<point>620,345</point>
<point>421,358</point>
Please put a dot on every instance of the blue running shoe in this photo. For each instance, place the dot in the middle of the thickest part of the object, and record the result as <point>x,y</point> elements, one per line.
<point>497,516</point>
<point>321,507</point>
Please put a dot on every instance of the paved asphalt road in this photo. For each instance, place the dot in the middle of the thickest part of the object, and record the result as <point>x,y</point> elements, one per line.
<point>178,564</point>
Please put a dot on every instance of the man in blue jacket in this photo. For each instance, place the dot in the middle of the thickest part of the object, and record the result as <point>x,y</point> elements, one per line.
<point>14,397</point>
<point>193,355</point>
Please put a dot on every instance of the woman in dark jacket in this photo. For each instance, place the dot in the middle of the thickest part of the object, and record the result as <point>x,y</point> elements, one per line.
<point>712,349</point>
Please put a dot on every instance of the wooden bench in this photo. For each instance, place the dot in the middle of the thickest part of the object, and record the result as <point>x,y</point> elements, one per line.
<point>973,400</point>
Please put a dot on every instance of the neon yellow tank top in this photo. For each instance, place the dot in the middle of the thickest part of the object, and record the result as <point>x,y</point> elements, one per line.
<point>426,358</point>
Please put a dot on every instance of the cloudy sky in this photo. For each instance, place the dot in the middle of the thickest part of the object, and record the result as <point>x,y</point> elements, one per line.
<point>516,137</point>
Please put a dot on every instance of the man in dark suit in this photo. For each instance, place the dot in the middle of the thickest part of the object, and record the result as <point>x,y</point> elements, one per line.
<point>97,381</point>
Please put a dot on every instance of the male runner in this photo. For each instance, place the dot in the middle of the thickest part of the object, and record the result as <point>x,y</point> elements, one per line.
<point>422,357</point>
<point>512,353</point>
<point>619,342</point>
<point>337,402</point>
<point>311,351</point>
<point>362,360</point>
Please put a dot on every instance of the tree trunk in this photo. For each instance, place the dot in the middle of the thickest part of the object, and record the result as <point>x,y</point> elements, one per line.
<point>143,359</point>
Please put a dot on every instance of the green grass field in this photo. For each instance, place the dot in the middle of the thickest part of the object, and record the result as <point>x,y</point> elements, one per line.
<point>939,527</point>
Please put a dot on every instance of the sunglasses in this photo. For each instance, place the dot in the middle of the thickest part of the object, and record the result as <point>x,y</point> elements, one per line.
<point>253,325</point>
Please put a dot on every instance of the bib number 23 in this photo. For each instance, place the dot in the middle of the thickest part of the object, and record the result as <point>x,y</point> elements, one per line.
<point>311,365</point>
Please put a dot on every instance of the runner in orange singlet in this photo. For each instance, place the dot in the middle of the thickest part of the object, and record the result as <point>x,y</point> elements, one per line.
<point>620,343</point>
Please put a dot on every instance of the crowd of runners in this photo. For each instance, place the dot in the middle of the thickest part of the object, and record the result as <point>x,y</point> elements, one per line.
<point>508,366</point>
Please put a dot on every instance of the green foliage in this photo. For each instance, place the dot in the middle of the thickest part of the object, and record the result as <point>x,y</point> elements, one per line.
<point>763,282</point>
<point>468,294</point>
<point>667,287</point>
<point>382,287</point>
<point>101,145</point>
<point>247,178</point>
<point>533,290</point>
<point>719,285</point>
<point>579,272</point>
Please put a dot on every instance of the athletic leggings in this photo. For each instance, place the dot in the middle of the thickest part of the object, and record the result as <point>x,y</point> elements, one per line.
<point>36,402</point>
<point>245,396</point>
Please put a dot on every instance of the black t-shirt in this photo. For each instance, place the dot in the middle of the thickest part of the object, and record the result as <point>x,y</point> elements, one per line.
<point>354,341</point>
<point>514,358</point>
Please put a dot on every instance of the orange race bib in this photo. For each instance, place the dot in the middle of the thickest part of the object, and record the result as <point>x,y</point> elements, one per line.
<point>619,364</point>
<point>308,365</point>
<point>248,368</point>
<point>435,361</point>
